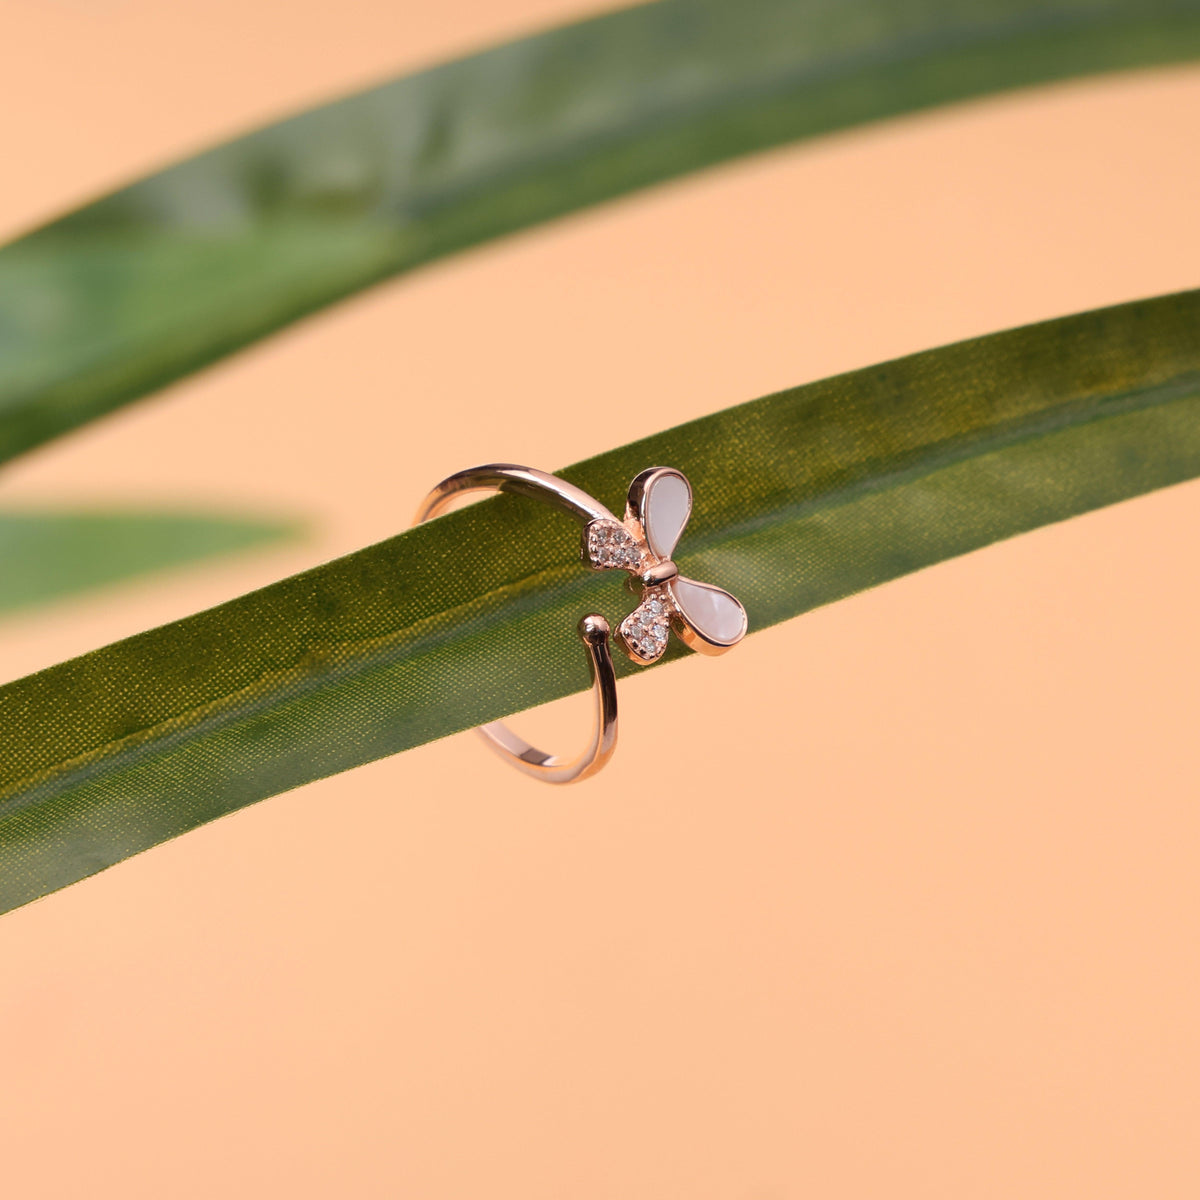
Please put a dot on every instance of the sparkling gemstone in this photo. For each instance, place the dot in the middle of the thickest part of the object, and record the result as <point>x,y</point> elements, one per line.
<point>611,545</point>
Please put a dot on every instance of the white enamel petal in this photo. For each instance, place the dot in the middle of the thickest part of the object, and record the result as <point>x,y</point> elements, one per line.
<point>665,511</point>
<point>711,612</point>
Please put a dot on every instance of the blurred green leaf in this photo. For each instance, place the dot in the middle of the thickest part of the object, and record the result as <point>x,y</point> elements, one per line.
<point>50,555</point>
<point>801,498</point>
<point>177,270</point>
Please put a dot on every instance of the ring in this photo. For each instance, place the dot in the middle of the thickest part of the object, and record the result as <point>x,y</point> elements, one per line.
<point>705,618</point>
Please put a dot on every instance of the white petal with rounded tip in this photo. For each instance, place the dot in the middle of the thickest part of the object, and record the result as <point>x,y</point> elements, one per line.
<point>665,512</point>
<point>710,611</point>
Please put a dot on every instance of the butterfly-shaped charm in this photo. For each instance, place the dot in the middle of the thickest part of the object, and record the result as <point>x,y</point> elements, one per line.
<point>704,617</point>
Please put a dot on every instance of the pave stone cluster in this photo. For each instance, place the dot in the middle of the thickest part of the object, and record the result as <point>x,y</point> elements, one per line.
<point>647,628</point>
<point>612,545</point>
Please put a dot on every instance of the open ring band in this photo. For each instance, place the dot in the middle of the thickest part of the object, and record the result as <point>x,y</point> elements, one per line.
<point>706,618</point>
<point>593,629</point>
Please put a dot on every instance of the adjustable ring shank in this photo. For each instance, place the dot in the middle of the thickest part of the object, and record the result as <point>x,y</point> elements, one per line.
<point>593,629</point>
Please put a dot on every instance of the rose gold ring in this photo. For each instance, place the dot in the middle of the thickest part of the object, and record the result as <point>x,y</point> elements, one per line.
<point>704,617</point>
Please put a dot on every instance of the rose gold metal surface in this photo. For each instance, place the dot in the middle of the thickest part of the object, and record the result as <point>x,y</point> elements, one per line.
<point>661,572</point>
<point>523,481</point>
<point>594,633</point>
<point>606,544</point>
<point>593,629</point>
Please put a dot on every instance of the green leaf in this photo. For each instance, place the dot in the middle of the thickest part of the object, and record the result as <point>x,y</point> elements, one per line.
<point>49,555</point>
<point>801,498</point>
<point>157,280</point>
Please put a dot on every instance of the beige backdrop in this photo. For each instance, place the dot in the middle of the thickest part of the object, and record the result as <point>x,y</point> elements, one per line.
<point>920,922</point>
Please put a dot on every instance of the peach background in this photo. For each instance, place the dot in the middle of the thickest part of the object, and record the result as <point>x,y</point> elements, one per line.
<point>923,922</point>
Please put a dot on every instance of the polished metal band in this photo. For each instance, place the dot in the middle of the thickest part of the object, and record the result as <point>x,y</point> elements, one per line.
<point>593,629</point>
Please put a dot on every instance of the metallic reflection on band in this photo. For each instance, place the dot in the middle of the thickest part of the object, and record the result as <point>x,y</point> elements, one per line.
<point>593,629</point>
